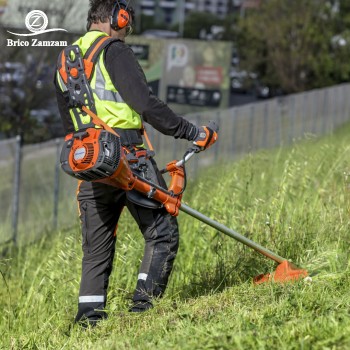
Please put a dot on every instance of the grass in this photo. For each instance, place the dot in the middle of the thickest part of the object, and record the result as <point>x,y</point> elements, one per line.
<point>294,201</point>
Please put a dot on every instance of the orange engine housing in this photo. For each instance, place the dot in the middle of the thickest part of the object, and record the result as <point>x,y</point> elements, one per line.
<point>95,155</point>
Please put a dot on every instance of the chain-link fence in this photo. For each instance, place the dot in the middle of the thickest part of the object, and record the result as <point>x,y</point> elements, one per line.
<point>8,150</point>
<point>37,197</point>
<point>262,125</point>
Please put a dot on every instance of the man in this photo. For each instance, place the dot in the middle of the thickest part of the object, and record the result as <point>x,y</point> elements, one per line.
<point>121,97</point>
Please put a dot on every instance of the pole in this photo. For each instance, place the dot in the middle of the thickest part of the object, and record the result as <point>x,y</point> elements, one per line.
<point>233,234</point>
<point>56,185</point>
<point>182,18</point>
<point>16,189</point>
<point>138,11</point>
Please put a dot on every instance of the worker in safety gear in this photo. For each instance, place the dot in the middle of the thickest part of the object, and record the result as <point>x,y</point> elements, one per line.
<point>122,97</point>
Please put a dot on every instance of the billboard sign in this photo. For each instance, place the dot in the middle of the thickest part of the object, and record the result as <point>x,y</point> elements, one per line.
<point>196,75</point>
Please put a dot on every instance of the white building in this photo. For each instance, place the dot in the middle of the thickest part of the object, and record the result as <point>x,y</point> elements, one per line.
<point>170,11</point>
<point>71,14</point>
<point>216,7</point>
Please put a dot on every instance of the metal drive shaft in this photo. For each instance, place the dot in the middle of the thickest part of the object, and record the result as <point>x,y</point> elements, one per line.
<point>233,234</point>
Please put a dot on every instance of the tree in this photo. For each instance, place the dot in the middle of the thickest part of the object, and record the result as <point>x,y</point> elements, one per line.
<point>27,102</point>
<point>148,22</point>
<point>198,21</point>
<point>288,43</point>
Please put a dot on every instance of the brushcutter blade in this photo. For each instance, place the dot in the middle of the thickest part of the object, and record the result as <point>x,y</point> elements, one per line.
<point>285,272</point>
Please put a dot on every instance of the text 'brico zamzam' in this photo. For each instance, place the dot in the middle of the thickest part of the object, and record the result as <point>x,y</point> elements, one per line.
<point>36,22</point>
<point>35,42</point>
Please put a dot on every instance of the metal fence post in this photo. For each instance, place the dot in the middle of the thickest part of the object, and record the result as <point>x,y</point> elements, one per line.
<point>292,117</point>
<point>304,114</point>
<point>233,139</point>
<point>223,144</point>
<point>56,185</point>
<point>316,111</point>
<point>195,163</point>
<point>16,189</point>
<point>344,104</point>
<point>346,111</point>
<point>333,110</point>
<point>265,126</point>
<point>278,115</point>
<point>251,127</point>
<point>338,104</point>
<point>325,109</point>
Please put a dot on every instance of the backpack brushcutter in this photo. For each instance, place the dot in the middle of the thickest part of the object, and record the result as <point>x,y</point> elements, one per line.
<point>96,154</point>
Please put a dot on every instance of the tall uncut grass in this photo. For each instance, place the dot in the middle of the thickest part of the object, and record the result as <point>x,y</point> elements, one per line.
<point>294,201</point>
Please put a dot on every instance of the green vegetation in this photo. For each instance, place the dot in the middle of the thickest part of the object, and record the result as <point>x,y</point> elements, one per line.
<point>296,45</point>
<point>294,201</point>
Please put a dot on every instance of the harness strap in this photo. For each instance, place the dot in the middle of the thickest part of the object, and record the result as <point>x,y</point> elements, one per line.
<point>97,121</point>
<point>145,134</point>
<point>130,137</point>
<point>92,54</point>
<point>90,58</point>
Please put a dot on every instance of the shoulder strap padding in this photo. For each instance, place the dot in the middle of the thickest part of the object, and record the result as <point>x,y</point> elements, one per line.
<point>92,54</point>
<point>90,58</point>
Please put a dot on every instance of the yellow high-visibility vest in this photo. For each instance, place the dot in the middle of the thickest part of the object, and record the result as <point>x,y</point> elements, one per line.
<point>110,107</point>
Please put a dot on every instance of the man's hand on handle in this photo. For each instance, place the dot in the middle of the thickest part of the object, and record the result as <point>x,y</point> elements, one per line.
<point>206,136</point>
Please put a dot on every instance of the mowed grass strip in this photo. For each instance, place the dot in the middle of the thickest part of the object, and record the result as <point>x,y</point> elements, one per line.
<point>294,201</point>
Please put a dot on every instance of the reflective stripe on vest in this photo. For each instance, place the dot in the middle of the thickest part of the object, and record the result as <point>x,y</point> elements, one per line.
<point>100,90</point>
<point>110,106</point>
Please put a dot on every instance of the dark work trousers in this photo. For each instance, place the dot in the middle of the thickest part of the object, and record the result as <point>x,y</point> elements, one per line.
<point>100,207</point>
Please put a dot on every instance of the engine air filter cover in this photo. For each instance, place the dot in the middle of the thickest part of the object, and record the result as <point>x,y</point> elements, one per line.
<point>91,155</point>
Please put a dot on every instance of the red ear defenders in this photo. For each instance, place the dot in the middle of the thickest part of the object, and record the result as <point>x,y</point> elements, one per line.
<point>120,17</point>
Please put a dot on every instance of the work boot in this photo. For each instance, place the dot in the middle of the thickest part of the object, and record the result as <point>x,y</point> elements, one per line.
<point>90,318</point>
<point>141,306</point>
<point>89,322</point>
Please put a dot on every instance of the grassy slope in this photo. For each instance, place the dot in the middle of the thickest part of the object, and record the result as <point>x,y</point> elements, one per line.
<point>295,201</point>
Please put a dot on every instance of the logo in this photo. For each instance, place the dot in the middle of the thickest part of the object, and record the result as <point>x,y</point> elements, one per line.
<point>36,22</point>
<point>177,56</point>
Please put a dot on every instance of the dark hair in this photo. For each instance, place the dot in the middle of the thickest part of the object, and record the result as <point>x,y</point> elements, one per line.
<point>101,10</point>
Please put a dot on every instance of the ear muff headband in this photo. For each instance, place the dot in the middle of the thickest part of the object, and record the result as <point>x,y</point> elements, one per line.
<point>120,18</point>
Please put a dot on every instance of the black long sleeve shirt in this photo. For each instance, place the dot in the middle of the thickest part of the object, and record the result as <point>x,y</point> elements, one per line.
<point>130,81</point>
